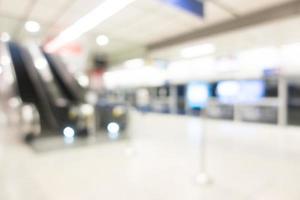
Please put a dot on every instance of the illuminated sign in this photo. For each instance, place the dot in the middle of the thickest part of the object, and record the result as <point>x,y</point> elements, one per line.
<point>195,7</point>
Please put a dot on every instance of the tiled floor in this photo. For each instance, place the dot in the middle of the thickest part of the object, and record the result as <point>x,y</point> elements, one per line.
<point>245,161</point>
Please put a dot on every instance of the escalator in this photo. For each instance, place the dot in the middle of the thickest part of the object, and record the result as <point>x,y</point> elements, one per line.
<point>67,83</point>
<point>37,86</point>
<point>107,112</point>
<point>22,117</point>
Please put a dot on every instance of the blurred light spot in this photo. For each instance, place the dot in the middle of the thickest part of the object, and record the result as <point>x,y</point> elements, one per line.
<point>14,102</point>
<point>32,26</point>
<point>5,37</point>
<point>102,40</point>
<point>113,127</point>
<point>134,63</point>
<point>118,111</point>
<point>69,132</point>
<point>27,113</point>
<point>87,109</point>
<point>83,81</point>
<point>40,63</point>
<point>5,60</point>
<point>199,50</point>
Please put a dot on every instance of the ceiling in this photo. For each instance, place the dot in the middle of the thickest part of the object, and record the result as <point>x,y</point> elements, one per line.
<point>131,30</point>
<point>272,34</point>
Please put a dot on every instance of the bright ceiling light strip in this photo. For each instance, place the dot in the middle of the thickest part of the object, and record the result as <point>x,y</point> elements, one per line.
<point>134,63</point>
<point>199,50</point>
<point>104,11</point>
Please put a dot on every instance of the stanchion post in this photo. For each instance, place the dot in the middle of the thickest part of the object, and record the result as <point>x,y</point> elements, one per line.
<point>202,177</point>
<point>130,149</point>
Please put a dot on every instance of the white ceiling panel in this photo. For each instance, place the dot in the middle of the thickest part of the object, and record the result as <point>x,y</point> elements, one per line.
<point>47,11</point>
<point>248,6</point>
<point>16,8</point>
<point>84,6</point>
<point>122,20</point>
<point>147,5</point>
<point>42,13</point>
<point>8,25</point>
<point>141,23</point>
<point>261,36</point>
<point>214,14</point>
<point>78,9</point>
<point>52,4</point>
<point>148,20</point>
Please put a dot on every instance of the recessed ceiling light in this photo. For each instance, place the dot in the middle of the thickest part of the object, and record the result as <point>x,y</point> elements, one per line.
<point>197,51</point>
<point>5,37</point>
<point>32,26</point>
<point>102,40</point>
<point>101,13</point>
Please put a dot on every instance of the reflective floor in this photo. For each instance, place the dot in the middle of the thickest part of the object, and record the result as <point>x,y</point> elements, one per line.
<point>160,162</point>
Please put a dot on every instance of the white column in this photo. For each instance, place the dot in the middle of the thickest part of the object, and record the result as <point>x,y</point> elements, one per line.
<point>283,101</point>
<point>173,99</point>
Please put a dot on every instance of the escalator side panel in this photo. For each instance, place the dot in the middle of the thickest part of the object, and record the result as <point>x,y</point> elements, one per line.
<point>31,87</point>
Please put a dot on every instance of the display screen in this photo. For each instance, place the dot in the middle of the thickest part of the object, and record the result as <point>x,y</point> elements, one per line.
<point>251,91</point>
<point>198,94</point>
<point>240,91</point>
<point>227,91</point>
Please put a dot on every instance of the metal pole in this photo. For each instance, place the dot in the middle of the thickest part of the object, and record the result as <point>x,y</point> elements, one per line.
<point>202,177</point>
<point>130,150</point>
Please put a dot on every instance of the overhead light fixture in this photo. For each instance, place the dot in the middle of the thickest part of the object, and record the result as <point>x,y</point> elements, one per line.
<point>5,37</point>
<point>98,15</point>
<point>259,58</point>
<point>290,54</point>
<point>134,63</point>
<point>102,40</point>
<point>32,26</point>
<point>197,51</point>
